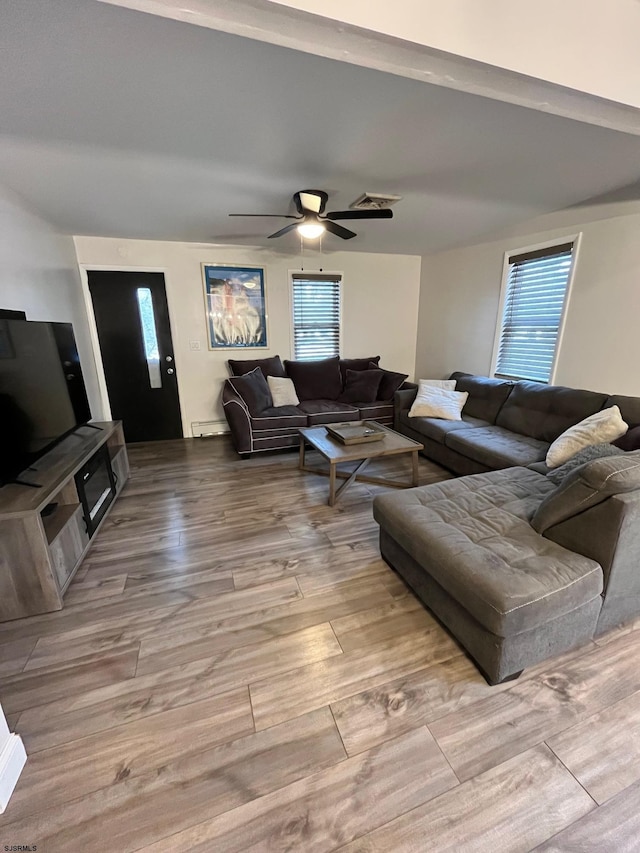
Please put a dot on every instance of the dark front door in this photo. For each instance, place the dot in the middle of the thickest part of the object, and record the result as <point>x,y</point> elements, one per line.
<point>137,353</point>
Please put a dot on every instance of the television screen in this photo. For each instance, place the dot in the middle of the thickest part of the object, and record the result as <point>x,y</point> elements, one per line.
<point>42,393</point>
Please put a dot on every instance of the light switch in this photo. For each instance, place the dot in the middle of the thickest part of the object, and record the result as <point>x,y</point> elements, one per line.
<point>194,345</point>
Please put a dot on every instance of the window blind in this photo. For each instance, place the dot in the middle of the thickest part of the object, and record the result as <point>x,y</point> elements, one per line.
<point>534,304</point>
<point>316,316</point>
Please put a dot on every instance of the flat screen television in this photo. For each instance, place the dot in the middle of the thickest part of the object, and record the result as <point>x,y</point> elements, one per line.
<point>42,392</point>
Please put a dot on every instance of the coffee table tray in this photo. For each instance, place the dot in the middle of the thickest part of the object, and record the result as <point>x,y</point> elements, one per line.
<point>360,433</point>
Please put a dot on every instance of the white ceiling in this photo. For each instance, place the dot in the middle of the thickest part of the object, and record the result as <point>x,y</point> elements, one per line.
<point>118,123</point>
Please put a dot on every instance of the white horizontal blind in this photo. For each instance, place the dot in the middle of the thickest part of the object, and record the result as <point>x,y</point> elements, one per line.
<point>316,316</point>
<point>534,304</point>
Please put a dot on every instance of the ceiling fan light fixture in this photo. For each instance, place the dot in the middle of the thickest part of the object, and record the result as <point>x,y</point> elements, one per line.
<point>311,230</point>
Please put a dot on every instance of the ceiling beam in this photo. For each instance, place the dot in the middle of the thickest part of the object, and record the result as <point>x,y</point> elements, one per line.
<point>292,28</point>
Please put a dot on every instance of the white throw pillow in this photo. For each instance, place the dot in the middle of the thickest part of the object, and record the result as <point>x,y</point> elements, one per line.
<point>283,391</point>
<point>433,402</point>
<point>601,428</point>
<point>449,384</point>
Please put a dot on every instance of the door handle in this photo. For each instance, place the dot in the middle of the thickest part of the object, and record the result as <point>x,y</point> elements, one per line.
<point>170,371</point>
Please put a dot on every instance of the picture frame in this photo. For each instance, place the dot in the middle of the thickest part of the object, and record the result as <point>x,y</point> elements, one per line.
<point>235,306</point>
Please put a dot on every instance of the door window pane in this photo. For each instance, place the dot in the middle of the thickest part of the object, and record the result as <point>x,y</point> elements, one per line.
<point>149,337</point>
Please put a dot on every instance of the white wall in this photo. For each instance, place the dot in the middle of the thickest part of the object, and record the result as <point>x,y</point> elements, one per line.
<point>600,349</point>
<point>586,45</point>
<point>380,307</point>
<point>39,275</point>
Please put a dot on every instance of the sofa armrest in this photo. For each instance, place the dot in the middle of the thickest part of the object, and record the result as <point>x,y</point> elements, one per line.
<point>403,399</point>
<point>402,402</point>
<point>608,533</point>
<point>238,417</point>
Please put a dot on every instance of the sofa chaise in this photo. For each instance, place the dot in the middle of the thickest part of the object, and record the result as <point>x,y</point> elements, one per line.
<point>517,568</point>
<point>324,394</point>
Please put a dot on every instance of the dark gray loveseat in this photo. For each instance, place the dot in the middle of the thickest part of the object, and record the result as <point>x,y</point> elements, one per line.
<point>257,425</point>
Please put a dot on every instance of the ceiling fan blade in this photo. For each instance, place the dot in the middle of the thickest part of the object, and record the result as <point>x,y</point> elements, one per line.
<point>360,214</point>
<point>268,215</point>
<point>284,230</point>
<point>310,201</point>
<point>338,230</point>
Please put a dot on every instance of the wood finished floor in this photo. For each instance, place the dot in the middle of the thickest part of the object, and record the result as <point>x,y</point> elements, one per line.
<point>236,669</point>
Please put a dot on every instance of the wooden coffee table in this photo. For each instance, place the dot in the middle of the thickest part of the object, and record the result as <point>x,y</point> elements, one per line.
<point>393,444</point>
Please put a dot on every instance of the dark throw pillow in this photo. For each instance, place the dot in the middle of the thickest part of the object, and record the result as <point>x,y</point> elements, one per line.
<point>630,440</point>
<point>269,366</point>
<point>390,382</point>
<point>361,386</point>
<point>357,364</point>
<point>253,389</point>
<point>316,380</point>
<point>587,454</point>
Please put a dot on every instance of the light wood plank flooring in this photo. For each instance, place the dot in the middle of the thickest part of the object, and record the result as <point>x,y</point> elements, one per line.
<point>236,669</point>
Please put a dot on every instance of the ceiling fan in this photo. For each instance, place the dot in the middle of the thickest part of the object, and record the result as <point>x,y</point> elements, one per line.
<point>312,221</point>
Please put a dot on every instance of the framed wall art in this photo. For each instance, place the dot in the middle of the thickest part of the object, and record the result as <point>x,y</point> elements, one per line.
<point>235,303</point>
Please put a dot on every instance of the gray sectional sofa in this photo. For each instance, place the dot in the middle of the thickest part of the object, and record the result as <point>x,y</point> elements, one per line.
<point>517,567</point>
<point>503,423</point>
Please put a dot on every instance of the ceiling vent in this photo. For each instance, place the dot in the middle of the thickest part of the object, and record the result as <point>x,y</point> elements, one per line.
<point>374,201</point>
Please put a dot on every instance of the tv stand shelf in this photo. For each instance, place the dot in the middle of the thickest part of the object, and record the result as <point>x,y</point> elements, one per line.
<point>41,548</point>
<point>54,523</point>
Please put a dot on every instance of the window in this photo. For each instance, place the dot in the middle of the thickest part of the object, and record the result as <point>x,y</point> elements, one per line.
<point>149,337</point>
<point>536,285</point>
<point>316,316</point>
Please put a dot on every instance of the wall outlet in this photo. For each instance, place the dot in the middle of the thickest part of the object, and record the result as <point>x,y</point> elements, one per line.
<point>194,345</point>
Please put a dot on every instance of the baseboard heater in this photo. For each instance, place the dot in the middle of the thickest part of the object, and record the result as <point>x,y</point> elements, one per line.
<point>205,429</point>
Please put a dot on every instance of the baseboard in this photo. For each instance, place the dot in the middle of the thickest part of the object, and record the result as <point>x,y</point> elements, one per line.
<point>12,760</point>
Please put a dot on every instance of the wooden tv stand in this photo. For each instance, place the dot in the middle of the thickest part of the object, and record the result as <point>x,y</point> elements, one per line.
<point>39,554</point>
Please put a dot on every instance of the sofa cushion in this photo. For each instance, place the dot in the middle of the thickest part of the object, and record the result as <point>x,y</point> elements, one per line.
<point>272,366</point>
<point>379,409</point>
<point>357,364</point>
<point>361,386</point>
<point>496,447</point>
<point>253,389</point>
<point>436,428</point>
<point>545,411</point>
<point>629,407</point>
<point>586,486</point>
<point>630,440</point>
<point>447,384</point>
<point>432,402</point>
<point>474,538</point>
<point>486,395</point>
<point>390,383</point>
<point>280,418</point>
<point>316,380</point>
<point>605,425</point>
<point>328,412</point>
<point>283,391</point>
